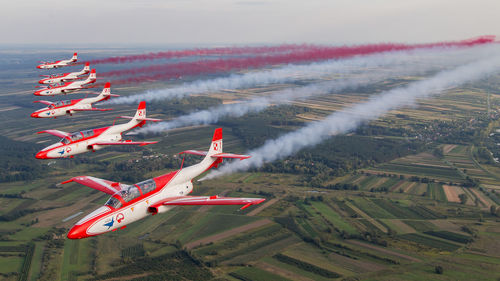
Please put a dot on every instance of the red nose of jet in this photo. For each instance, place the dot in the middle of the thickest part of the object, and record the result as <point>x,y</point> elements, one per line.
<point>41,155</point>
<point>39,66</point>
<point>37,93</point>
<point>35,115</point>
<point>77,232</point>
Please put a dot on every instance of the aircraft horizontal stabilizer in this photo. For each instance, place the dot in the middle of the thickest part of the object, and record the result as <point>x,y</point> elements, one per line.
<point>105,186</point>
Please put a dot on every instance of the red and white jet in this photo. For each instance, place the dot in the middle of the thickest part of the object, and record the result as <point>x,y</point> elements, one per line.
<point>68,107</point>
<point>129,203</point>
<point>95,139</point>
<point>65,77</point>
<point>59,63</point>
<point>67,87</point>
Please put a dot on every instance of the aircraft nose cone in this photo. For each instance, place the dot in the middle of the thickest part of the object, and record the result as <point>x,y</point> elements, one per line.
<point>37,93</point>
<point>77,232</point>
<point>41,155</point>
<point>40,81</point>
<point>35,115</point>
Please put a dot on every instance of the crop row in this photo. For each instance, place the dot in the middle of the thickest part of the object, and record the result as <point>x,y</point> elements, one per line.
<point>425,212</point>
<point>451,236</point>
<point>430,242</point>
<point>28,257</point>
<point>420,225</point>
<point>397,211</point>
<point>306,266</point>
<point>254,247</point>
<point>133,251</point>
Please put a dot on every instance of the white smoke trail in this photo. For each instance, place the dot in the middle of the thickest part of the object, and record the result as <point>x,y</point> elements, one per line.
<point>212,115</point>
<point>350,118</point>
<point>402,65</point>
<point>293,72</point>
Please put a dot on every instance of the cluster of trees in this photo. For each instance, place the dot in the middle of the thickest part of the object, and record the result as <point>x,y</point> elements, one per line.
<point>255,129</point>
<point>16,161</point>
<point>340,155</point>
<point>180,265</point>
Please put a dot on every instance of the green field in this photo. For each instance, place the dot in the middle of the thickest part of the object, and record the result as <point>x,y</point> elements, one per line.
<point>371,204</point>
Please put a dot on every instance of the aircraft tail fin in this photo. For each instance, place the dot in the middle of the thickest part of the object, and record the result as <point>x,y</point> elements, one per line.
<point>215,152</point>
<point>141,111</point>
<point>106,92</point>
<point>216,145</point>
<point>92,77</point>
<point>86,68</point>
<point>140,115</point>
<point>75,57</point>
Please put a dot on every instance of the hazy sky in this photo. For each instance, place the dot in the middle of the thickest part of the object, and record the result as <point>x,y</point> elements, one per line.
<point>121,22</point>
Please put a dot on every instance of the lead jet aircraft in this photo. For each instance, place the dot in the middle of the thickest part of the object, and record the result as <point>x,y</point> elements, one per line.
<point>59,63</point>
<point>95,139</point>
<point>67,87</point>
<point>65,77</point>
<point>68,107</point>
<point>129,203</point>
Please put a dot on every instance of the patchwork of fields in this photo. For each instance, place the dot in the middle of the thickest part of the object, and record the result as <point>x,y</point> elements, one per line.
<point>396,221</point>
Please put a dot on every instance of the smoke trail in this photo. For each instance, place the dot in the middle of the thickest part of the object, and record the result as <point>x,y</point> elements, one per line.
<point>350,118</point>
<point>266,77</point>
<point>293,72</point>
<point>225,51</point>
<point>399,65</point>
<point>176,70</point>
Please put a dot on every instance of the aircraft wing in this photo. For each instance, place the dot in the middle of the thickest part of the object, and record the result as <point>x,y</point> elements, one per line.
<point>218,155</point>
<point>44,102</point>
<point>111,95</point>
<point>105,186</point>
<point>211,200</point>
<point>92,109</point>
<point>56,133</point>
<point>231,155</point>
<point>127,142</point>
<point>141,119</point>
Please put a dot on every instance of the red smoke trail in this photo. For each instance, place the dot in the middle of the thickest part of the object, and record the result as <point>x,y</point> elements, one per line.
<point>176,70</point>
<point>202,52</point>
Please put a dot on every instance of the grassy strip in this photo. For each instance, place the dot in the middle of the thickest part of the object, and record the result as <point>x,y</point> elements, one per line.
<point>30,249</point>
<point>133,251</point>
<point>306,266</point>
<point>397,211</point>
<point>255,274</point>
<point>425,212</point>
<point>253,247</point>
<point>420,225</point>
<point>430,242</point>
<point>451,236</point>
<point>333,217</point>
<point>179,265</point>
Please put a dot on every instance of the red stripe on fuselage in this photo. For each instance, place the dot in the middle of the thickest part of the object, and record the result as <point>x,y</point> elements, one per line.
<point>97,132</point>
<point>161,183</point>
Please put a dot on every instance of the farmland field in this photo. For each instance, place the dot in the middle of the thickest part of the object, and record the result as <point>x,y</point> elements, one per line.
<point>382,202</point>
